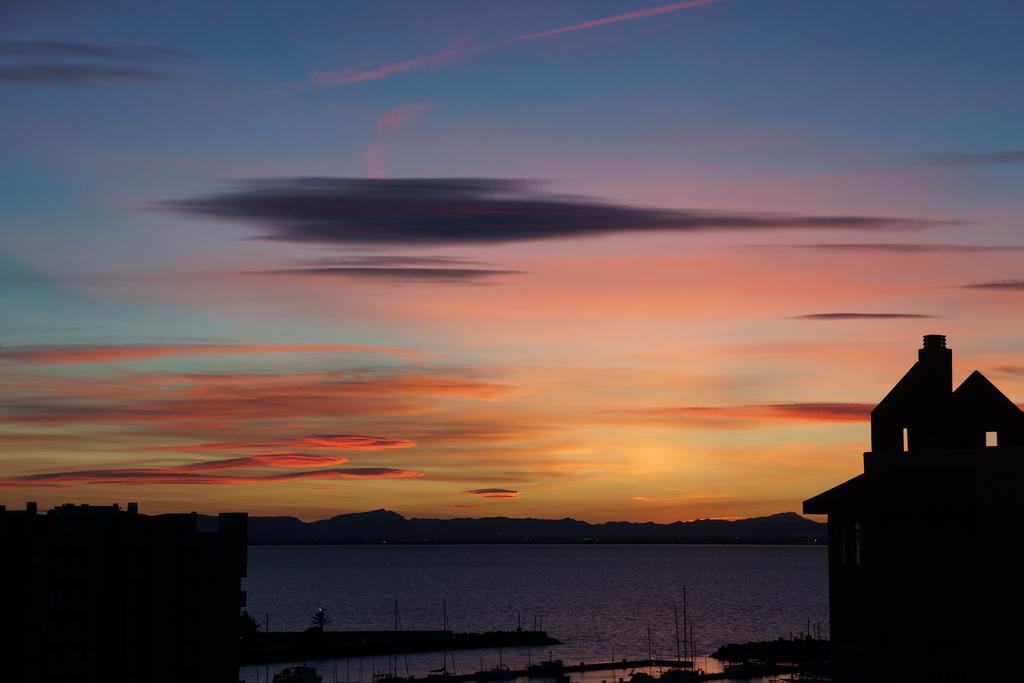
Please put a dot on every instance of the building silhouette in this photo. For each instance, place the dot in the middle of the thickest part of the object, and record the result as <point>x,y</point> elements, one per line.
<point>99,594</point>
<point>924,584</point>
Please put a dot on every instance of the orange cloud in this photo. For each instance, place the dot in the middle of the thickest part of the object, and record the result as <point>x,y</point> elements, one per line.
<point>333,442</point>
<point>225,399</point>
<point>291,460</point>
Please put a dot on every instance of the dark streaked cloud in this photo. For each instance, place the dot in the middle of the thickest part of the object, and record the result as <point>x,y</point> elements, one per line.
<point>862,316</point>
<point>38,49</point>
<point>494,493</point>
<point>396,268</point>
<point>407,275</point>
<point>822,412</point>
<point>388,261</point>
<point>904,248</point>
<point>294,460</point>
<point>999,285</point>
<point>744,416</point>
<point>66,74</point>
<point>174,475</point>
<point>55,62</point>
<point>996,158</point>
<point>452,211</point>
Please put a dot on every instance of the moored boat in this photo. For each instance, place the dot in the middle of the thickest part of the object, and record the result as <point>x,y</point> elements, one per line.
<point>552,667</point>
<point>680,675</point>
<point>298,674</point>
<point>498,673</point>
<point>641,677</point>
<point>747,669</point>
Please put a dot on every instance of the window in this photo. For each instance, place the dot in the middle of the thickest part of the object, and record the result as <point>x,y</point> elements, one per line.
<point>991,439</point>
<point>906,440</point>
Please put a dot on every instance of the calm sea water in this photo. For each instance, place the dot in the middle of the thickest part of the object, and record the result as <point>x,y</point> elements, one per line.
<point>598,599</point>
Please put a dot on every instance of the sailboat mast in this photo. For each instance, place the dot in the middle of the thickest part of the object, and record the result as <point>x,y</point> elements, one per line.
<point>675,618</point>
<point>650,652</point>
<point>398,627</point>
<point>444,635</point>
<point>685,621</point>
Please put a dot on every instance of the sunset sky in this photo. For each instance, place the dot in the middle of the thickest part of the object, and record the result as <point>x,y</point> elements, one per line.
<point>606,260</point>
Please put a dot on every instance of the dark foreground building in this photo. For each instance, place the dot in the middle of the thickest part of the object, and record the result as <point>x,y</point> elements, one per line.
<point>99,594</point>
<point>924,580</point>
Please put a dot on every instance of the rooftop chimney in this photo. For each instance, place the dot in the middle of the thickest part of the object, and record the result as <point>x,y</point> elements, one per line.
<point>938,361</point>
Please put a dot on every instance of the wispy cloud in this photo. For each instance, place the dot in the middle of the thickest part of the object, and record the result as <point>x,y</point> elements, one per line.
<point>905,248</point>
<point>375,159</point>
<point>998,285</point>
<point>614,19</point>
<point>460,211</point>
<point>462,49</point>
<point>81,354</point>
<point>34,49</point>
<point>862,316</point>
<point>70,74</point>
<point>457,50</point>
<point>996,158</point>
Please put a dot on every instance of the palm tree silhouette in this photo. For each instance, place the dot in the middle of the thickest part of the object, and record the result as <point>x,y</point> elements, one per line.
<point>320,619</point>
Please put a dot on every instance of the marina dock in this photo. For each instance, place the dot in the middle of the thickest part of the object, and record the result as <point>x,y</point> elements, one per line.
<point>293,646</point>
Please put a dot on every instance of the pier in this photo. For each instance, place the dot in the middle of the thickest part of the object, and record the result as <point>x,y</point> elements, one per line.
<point>293,646</point>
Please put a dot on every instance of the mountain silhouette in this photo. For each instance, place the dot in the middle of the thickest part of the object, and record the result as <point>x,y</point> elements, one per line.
<point>378,526</point>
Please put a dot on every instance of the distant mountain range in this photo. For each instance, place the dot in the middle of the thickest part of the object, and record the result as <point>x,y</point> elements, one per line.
<point>384,526</point>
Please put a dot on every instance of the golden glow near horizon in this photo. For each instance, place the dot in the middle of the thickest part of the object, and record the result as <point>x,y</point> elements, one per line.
<point>663,415</point>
